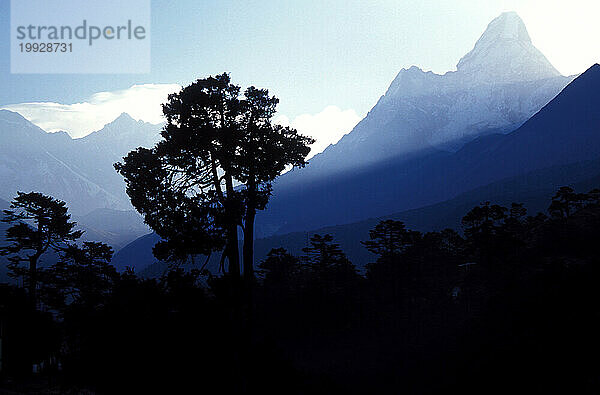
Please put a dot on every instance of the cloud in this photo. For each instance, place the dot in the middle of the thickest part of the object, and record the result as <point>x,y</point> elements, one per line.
<point>142,102</point>
<point>327,127</point>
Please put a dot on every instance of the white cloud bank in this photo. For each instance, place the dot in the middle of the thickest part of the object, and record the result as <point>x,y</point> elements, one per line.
<point>142,102</point>
<point>326,127</point>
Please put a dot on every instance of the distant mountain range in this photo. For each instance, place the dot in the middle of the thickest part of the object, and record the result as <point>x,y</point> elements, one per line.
<point>497,86</point>
<point>565,131</point>
<point>560,145</point>
<point>78,171</point>
<point>410,150</point>
<point>116,228</point>
<point>505,126</point>
<point>533,189</point>
<point>113,227</point>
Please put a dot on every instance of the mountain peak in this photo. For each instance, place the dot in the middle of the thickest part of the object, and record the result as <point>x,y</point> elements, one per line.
<point>505,53</point>
<point>508,25</point>
<point>124,117</point>
<point>15,125</point>
<point>122,121</point>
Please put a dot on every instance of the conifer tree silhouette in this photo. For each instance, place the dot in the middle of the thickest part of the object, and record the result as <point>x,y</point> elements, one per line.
<point>39,224</point>
<point>213,169</point>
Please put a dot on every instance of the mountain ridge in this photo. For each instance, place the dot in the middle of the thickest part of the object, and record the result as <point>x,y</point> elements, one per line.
<point>79,171</point>
<point>504,43</point>
<point>535,189</point>
<point>435,176</point>
<point>490,92</point>
<point>500,168</point>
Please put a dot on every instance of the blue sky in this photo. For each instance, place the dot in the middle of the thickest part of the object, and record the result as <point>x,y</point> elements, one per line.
<point>314,54</point>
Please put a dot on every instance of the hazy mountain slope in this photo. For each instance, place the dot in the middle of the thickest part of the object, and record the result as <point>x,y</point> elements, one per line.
<point>565,131</point>
<point>94,155</point>
<point>137,254</point>
<point>28,163</point>
<point>567,128</point>
<point>3,271</point>
<point>78,171</point>
<point>497,86</point>
<point>113,227</point>
<point>535,189</point>
<point>560,145</point>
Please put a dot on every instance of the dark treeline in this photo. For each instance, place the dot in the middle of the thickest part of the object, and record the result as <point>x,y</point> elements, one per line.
<point>509,304</point>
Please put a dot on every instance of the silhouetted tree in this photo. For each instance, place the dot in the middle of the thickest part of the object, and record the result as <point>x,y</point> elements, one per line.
<point>481,225</point>
<point>514,228</point>
<point>390,238</point>
<point>214,139</point>
<point>179,207</point>
<point>429,314</point>
<point>39,223</point>
<point>329,267</point>
<point>279,268</point>
<point>484,220</point>
<point>441,254</point>
<point>83,275</point>
<point>517,211</point>
<point>324,255</point>
<point>265,151</point>
<point>208,176</point>
<point>391,272</point>
<point>283,280</point>
<point>396,269</point>
<point>593,197</point>
<point>565,202</point>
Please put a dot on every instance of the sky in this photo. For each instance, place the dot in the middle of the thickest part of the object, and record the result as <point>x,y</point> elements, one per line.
<point>328,62</point>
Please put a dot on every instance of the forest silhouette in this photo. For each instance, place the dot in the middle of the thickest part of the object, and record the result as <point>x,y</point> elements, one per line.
<point>509,302</point>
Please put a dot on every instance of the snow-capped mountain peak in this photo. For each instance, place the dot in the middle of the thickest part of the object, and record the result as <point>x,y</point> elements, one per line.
<point>507,25</point>
<point>497,86</point>
<point>505,53</point>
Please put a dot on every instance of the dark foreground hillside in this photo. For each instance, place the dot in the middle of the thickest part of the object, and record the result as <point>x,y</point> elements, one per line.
<point>533,189</point>
<point>510,307</point>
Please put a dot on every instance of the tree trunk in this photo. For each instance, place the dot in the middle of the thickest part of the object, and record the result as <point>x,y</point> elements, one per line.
<point>249,245</point>
<point>248,249</point>
<point>233,254</point>
<point>33,279</point>
<point>248,304</point>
